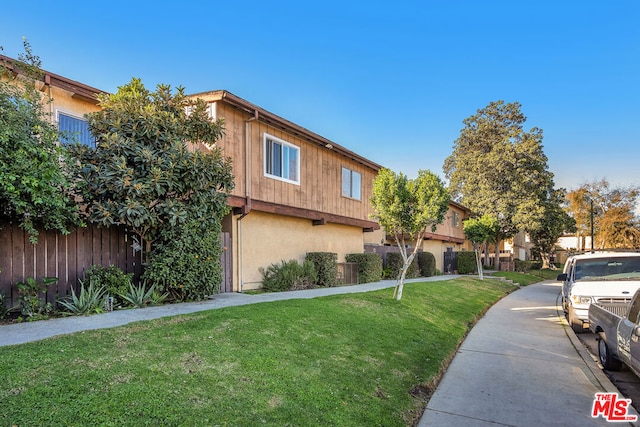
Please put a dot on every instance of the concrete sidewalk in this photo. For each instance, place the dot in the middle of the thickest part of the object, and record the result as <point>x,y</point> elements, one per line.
<point>521,365</point>
<point>19,333</point>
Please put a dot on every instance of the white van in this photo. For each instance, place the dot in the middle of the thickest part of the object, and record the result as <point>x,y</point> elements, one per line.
<point>597,277</point>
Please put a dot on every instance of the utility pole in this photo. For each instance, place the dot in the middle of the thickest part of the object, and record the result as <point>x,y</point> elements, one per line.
<point>592,250</point>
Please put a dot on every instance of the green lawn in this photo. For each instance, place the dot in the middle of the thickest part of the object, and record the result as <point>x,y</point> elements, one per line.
<point>533,276</point>
<point>345,360</point>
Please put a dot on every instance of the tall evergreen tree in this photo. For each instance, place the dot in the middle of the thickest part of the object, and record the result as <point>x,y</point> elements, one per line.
<point>499,169</point>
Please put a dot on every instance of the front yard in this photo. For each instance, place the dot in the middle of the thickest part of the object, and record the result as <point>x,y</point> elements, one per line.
<point>345,360</point>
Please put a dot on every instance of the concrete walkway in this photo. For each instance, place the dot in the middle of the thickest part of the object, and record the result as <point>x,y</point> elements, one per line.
<point>521,365</point>
<point>19,333</point>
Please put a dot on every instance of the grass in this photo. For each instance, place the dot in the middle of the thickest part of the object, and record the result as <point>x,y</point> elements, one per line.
<point>533,276</point>
<point>343,360</point>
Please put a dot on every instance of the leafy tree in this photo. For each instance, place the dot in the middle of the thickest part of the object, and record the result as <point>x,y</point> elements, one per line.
<point>144,174</point>
<point>555,222</point>
<point>34,182</point>
<point>480,231</point>
<point>499,169</point>
<point>406,208</point>
<point>580,207</point>
<point>614,221</point>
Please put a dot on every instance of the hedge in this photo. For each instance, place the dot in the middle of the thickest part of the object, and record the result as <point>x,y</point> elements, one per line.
<point>467,262</point>
<point>369,266</point>
<point>326,267</point>
<point>427,264</point>
<point>394,267</point>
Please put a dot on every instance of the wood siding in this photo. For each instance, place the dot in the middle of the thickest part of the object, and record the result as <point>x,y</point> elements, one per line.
<point>320,183</point>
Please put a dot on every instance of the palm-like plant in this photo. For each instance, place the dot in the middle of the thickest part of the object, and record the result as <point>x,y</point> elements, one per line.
<point>89,300</point>
<point>140,296</point>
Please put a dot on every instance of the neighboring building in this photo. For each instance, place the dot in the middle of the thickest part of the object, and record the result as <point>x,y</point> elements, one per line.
<point>448,237</point>
<point>519,245</point>
<point>70,100</point>
<point>295,191</point>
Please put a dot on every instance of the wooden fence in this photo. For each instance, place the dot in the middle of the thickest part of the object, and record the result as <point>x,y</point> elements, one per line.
<point>68,257</point>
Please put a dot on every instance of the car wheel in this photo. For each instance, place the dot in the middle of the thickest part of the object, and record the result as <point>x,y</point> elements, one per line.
<point>608,361</point>
<point>576,324</point>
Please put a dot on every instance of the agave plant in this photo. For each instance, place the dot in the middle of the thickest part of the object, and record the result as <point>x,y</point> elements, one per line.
<point>140,296</point>
<point>89,300</point>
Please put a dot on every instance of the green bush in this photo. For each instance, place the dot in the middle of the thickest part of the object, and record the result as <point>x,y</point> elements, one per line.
<point>4,310</point>
<point>326,267</point>
<point>114,281</point>
<point>369,266</point>
<point>525,266</point>
<point>187,265</point>
<point>289,276</point>
<point>394,267</point>
<point>467,262</point>
<point>31,297</point>
<point>427,264</point>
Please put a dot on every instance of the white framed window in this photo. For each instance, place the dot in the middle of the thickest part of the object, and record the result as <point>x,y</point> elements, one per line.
<point>211,110</point>
<point>74,128</point>
<point>281,159</point>
<point>351,184</point>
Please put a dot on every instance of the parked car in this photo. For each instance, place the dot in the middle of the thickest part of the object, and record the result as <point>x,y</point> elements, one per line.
<point>595,277</point>
<point>617,330</point>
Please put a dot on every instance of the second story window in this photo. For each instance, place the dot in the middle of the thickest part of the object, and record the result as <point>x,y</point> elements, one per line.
<point>281,159</point>
<point>455,219</point>
<point>74,129</point>
<point>351,183</point>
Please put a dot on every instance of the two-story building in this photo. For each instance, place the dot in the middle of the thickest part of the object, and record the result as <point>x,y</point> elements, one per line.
<point>295,192</point>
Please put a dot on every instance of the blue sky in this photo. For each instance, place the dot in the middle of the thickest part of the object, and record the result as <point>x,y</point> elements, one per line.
<point>392,81</point>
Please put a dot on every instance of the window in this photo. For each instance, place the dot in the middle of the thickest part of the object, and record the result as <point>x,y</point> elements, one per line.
<point>281,159</point>
<point>74,129</point>
<point>351,183</point>
<point>455,219</point>
<point>211,110</point>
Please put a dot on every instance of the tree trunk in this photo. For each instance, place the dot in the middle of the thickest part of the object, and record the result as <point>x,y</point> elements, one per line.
<point>478,260</point>
<point>546,259</point>
<point>487,258</point>
<point>403,274</point>
<point>496,261</point>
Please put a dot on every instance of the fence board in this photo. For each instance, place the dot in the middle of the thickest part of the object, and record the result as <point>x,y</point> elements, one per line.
<point>68,257</point>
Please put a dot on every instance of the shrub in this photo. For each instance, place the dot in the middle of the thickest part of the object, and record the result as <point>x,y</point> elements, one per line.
<point>4,310</point>
<point>289,275</point>
<point>30,301</point>
<point>326,267</point>
<point>394,266</point>
<point>141,296</point>
<point>466,262</point>
<point>369,266</point>
<point>187,265</point>
<point>90,299</point>
<point>525,266</point>
<point>427,264</point>
<point>114,281</point>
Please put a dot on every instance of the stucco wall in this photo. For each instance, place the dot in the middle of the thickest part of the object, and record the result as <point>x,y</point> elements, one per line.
<point>261,239</point>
